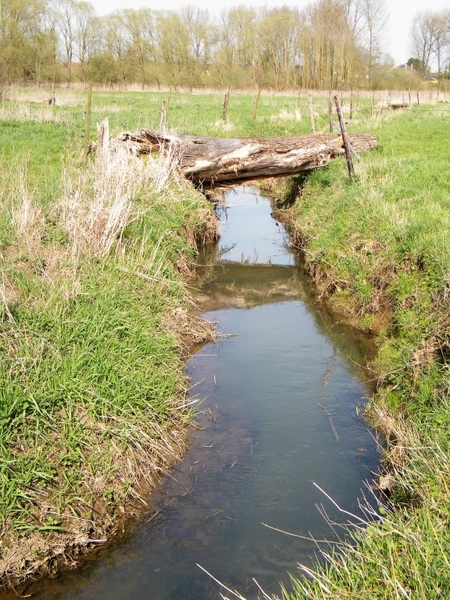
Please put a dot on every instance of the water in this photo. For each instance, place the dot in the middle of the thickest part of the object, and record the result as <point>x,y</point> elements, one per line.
<point>280,396</point>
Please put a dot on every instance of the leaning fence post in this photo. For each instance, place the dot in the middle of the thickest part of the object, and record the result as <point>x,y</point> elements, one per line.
<point>348,153</point>
<point>255,104</point>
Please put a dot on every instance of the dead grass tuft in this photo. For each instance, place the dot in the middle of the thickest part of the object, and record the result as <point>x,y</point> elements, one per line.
<point>27,218</point>
<point>98,203</point>
<point>190,330</point>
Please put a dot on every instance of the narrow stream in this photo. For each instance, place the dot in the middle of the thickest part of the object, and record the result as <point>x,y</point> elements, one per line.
<point>280,397</point>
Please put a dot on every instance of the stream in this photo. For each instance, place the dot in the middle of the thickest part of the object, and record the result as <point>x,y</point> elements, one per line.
<point>280,437</point>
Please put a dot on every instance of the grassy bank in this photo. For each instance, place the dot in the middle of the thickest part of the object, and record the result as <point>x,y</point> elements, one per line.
<point>94,321</point>
<point>379,251</point>
<point>94,327</point>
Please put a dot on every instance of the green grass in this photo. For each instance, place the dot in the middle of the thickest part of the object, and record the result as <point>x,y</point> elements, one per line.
<point>193,113</point>
<point>101,353</point>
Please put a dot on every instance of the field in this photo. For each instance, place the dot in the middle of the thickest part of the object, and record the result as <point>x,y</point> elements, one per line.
<point>96,258</point>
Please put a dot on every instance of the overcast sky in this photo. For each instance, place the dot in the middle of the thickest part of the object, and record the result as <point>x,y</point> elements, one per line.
<point>401,14</point>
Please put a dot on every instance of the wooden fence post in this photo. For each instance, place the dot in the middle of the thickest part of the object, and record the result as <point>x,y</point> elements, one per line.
<point>163,118</point>
<point>102,151</point>
<point>311,114</point>
<point>87,129</point>
<point>347,148</point>
<point>330,112</point>
<point>255,104</point>
<point>225,107</point>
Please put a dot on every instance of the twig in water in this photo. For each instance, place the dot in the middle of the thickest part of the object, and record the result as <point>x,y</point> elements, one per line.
<point>235,594</point>
<point>262,591</point>
<point>309,538</point>
<point>327,412</point>
<point>346,512</point>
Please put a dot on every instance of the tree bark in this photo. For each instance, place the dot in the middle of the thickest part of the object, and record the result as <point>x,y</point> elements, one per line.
<point>214,162</point>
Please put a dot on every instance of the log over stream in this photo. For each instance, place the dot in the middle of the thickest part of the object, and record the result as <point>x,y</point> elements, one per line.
<point>213,162</point>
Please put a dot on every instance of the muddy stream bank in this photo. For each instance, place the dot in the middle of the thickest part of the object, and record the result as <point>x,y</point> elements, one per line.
<point>279,402</point>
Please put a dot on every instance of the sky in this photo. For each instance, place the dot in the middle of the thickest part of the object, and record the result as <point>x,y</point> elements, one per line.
<point>397,32</point>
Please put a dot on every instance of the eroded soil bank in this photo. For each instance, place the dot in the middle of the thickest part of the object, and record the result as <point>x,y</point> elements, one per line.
<point>57,548</point>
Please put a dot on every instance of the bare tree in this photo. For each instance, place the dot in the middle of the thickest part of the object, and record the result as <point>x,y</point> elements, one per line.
<point>117,46</point>
<point>374,17</point>
<point>202,32</point>
<point>440,33</point>
<point>422,39</point>
<point>64,21</point>
<point>446,19</point>
<point>86,34</point>
<point>330,50</point>
<point>203,37</point>
<point>238,37</point>
<point>174,49</point>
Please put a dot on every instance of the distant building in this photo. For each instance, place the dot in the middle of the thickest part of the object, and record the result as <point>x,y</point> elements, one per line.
<point>409,67</point>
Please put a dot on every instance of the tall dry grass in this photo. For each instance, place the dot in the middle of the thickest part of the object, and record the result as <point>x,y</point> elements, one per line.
<point>98,202</point>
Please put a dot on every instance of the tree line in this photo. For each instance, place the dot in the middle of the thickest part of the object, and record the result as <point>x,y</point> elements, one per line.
<point>330,44</point>
<point>430,41</point>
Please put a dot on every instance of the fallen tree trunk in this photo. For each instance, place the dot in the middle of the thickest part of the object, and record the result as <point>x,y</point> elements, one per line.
<point>214,162</point>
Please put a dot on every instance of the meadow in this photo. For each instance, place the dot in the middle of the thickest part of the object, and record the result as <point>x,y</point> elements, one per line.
<point>97,255</point>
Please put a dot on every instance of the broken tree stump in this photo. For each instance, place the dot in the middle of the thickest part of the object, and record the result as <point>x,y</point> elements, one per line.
<point>214,162</point>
